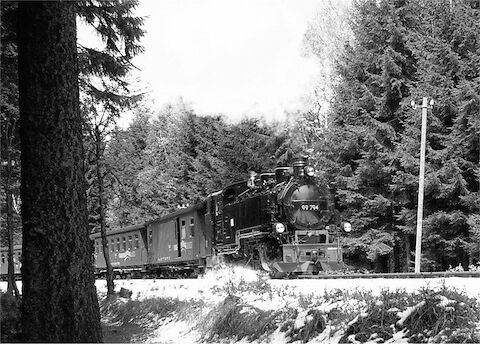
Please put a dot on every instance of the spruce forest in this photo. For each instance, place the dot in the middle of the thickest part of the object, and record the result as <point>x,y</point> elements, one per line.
<point>366,145</point>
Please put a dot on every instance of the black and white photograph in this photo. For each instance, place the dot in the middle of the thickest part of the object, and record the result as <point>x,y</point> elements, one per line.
<point>240,171</point>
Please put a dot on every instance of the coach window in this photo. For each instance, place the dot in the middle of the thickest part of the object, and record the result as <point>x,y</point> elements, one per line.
<point>150,236</point>
<point>184,229</point>
<point>130,242</point>
<point>322,238</point>
<point>118,244</point>
<point>3,259</point>
<point>124,243</point>
<point>136,241</point>
<point>112,245</point>
<point>192,228</point>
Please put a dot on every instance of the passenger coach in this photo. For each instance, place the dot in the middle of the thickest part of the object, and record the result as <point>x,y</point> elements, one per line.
<point>179,241</point>
<point>176,244</point>
<point>128,251</point>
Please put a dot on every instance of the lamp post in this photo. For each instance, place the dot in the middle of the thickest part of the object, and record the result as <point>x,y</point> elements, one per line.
<point>421,181</point>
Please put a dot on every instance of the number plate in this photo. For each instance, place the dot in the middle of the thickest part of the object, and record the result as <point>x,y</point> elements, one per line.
<point>310,207</point>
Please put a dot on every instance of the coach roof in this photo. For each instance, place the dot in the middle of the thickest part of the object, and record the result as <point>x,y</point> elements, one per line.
<point>179,212</point>
<point>120,230</point>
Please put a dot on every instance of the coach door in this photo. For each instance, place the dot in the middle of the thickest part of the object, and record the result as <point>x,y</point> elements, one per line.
<point>178,235</point>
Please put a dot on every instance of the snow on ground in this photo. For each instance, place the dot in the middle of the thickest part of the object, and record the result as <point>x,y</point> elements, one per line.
<point>257,290</point>
<point>214,285</point>
<point>207,287</point>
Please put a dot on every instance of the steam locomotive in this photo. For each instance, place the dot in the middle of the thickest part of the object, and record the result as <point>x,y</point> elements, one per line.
<point>283,222</point>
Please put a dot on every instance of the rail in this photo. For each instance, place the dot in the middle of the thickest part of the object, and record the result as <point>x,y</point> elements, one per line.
<point>393,275</point>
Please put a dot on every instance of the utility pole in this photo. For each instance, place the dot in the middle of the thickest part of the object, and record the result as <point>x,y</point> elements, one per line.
<point>421,182</point>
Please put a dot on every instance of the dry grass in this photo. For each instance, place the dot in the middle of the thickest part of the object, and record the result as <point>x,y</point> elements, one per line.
<point>234,319</point>
<point>125,320</point>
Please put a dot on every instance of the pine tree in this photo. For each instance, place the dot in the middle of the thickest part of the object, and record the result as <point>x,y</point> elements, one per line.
<point>179,158</point>
<point>102,73</point>
<point>127,155</point>
<point>59,301</point>
<point>402,51</point>
<point>105,93</point>
<point>375,70</point>
<point>444,41</point>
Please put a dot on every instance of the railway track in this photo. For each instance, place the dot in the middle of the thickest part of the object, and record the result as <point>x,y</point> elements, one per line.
<point>444,274</point>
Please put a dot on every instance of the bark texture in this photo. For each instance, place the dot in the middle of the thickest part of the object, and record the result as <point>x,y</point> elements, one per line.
<point>59,302</point>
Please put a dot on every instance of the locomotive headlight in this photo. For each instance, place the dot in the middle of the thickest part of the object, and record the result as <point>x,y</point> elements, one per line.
<point>310,171</point>
<point>280,227</point>
<point>347,227</point>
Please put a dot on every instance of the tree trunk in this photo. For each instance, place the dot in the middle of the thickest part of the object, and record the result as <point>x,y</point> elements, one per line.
<point>59,301</point>
<point>11,284</point>
<point>101,203</point>
<point>408,255</point>
<point>391,260</point>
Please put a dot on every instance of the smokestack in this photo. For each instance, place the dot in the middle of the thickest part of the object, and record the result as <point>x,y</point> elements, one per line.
<point>299,167</point>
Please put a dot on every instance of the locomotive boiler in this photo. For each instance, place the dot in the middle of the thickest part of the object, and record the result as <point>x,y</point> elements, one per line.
<point>283,221</point>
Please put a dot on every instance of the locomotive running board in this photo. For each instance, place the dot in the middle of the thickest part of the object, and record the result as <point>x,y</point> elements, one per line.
<point>240,235</point>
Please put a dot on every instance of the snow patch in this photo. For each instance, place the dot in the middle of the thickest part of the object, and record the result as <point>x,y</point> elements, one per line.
<point>445,302</point>
<point>301,320</point>
<point>399,337</point>
<point>174,332</point>
<point>407,312</point>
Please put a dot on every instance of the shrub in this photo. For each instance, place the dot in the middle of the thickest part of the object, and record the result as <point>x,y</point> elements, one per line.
<point>313,324</point>
<point>135,311</point>
<point>239,286</point>
<point>442,317</point>
<point>430,316</point>
<point>233,319</point>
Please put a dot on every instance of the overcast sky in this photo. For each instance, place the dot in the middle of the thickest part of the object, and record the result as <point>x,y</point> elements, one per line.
<point>238,58</point>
